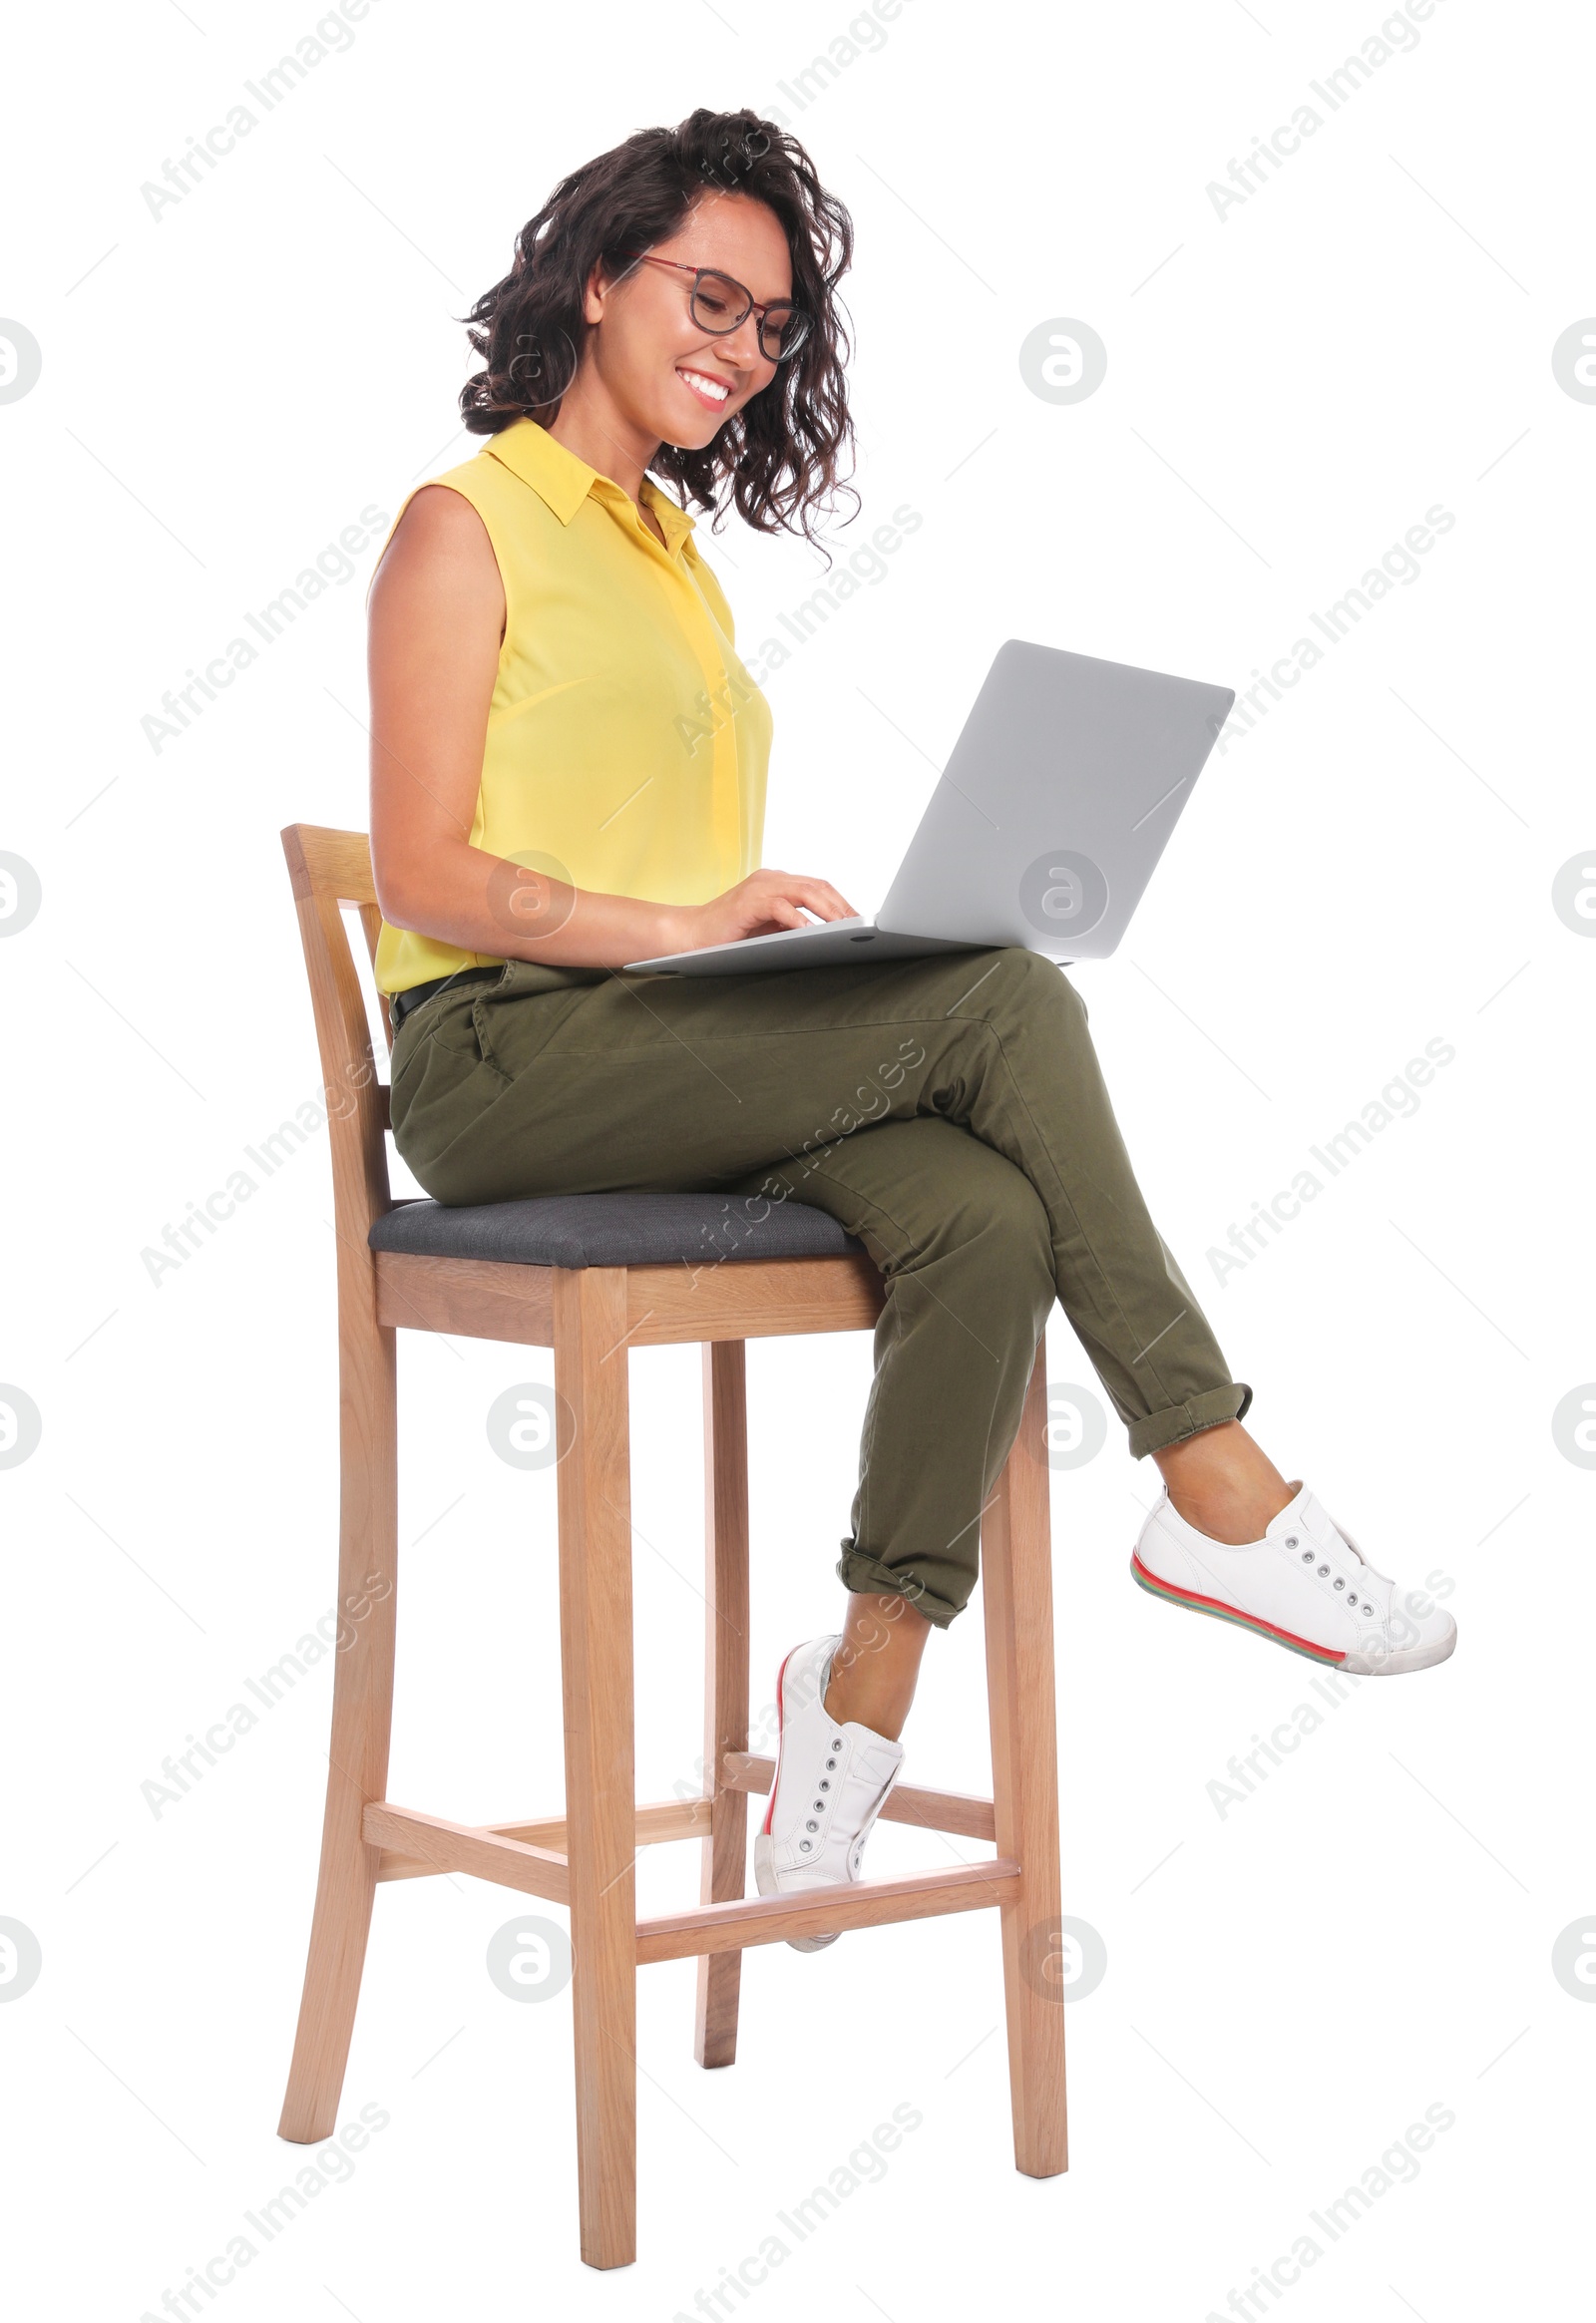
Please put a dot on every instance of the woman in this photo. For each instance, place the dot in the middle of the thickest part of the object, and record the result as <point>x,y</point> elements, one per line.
<point>569,773</point>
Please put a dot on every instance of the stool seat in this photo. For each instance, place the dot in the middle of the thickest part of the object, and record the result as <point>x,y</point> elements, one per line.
<point>616,1230</point>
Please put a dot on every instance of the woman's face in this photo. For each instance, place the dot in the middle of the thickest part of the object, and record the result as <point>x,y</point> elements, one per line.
<point>675,383</point>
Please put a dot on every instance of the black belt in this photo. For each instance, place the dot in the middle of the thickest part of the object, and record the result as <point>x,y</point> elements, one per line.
<point>401,1003</point>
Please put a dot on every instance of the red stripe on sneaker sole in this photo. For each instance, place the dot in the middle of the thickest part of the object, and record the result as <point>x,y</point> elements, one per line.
<point>781,1722</point>
<point>1223,1612</point>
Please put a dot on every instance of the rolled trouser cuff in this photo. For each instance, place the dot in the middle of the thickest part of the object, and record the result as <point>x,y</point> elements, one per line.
<point>870,1577</point>
<point>1189,1418</point>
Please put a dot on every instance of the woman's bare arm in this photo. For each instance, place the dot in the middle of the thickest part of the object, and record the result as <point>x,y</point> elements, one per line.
<point>437,622</point>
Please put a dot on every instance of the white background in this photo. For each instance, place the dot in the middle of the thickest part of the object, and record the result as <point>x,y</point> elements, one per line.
<point>1290,1984</point>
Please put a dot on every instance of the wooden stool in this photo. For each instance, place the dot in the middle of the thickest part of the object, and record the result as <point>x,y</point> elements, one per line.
<point>417,1266</point>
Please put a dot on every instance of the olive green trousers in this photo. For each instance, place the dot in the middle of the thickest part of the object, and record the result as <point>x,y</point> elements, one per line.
<point>950,1111</point>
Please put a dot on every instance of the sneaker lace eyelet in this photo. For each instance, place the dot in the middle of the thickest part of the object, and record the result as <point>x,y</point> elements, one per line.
<point>1291,1540</point>
<point>1307,1556</point>
<point>1339,1583</point>
<point>1323,1570</point>
<point>803,1843</point>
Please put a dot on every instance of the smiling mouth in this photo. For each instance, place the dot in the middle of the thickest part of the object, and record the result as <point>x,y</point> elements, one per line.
<point>713,393</point>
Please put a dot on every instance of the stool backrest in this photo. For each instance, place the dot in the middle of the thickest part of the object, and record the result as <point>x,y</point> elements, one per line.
<point>329,869</point>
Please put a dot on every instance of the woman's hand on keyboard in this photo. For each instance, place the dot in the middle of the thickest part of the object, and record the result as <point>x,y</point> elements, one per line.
<point>759,906</point>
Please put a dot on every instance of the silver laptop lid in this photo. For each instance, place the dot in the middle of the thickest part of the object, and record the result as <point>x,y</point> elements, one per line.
<point>1060,793</point>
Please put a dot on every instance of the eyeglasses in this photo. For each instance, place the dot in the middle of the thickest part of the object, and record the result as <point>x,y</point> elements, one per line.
<point>720,305</point>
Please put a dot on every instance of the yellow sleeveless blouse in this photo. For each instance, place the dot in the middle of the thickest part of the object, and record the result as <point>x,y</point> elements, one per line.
<point>626,746</point>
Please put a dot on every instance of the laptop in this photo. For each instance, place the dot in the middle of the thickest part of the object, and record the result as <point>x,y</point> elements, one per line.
<point>1061,792</point>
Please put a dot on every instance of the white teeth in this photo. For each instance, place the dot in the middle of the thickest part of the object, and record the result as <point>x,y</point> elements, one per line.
<point>713,387</point>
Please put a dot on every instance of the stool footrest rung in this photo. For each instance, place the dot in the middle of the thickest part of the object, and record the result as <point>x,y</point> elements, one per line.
<point>930,1810</point>
<point>669,1818</point>
<point>495,1853</point>
<point>729,1927</point>
<point>486,1854</point>
<point>960,1813</point>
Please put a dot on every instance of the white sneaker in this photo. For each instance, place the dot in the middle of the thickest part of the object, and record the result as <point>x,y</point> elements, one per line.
<point>1305,1583</point>
<point>832,1780</point>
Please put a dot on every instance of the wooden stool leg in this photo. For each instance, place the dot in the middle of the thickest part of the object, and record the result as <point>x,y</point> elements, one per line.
<point>1016,1587</point>
<point>595,1641</point>
<point>725,1851</point>
<point>362,1710</point>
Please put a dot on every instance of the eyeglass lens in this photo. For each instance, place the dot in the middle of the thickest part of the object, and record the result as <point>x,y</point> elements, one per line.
<point>720,305</point>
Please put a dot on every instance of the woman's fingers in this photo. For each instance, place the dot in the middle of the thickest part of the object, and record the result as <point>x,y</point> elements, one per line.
<point>769,900</point>
<point>816,895</point>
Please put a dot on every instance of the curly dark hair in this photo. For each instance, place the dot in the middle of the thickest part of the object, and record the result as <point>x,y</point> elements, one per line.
<point>777,458</point>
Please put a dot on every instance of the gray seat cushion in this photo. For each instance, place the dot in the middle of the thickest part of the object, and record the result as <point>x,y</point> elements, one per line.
<point>616,1230</point>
